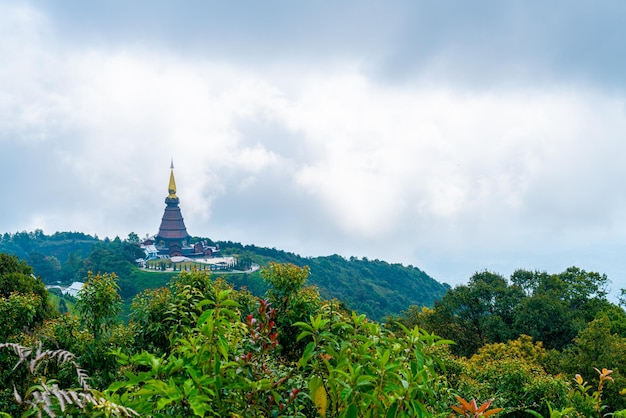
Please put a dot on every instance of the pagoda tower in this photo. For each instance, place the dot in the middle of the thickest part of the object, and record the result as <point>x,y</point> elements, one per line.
<point>172,234</point>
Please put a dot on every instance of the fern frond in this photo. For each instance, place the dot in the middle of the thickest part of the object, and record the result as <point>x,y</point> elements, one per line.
<point>60,396</point>
<point>18,398</point>
<point>44,397</point>
<point>83,377</point>
<point>22,352</point>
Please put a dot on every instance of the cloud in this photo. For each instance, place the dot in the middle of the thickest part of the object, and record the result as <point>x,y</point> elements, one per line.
<point>316,159</point>
<point>450,157</point>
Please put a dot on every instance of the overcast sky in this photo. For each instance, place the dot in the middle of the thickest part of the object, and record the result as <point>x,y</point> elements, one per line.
<point>451,135</point>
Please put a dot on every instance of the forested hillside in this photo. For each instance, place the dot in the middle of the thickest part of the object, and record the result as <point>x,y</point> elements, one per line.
<point>55,257</point>
<point>373,287</point>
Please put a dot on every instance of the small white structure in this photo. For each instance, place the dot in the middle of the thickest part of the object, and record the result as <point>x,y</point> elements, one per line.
<point>180,259</point>
<point>73,289</point>
<point>151,252</point>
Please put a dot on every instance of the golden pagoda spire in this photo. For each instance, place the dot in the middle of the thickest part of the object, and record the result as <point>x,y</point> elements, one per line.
<point>172,186</point>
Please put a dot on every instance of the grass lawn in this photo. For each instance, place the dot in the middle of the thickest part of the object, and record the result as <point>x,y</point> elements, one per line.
<point>151,279</point>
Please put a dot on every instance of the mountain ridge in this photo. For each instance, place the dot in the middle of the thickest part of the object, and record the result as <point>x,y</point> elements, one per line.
<point>374,287</point>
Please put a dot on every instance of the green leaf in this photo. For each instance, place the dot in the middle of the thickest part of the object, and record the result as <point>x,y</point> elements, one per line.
<point>345,394</point>
<point>163,402</point>
<point>385,358</point>
<point>307,354</point>
<point>205,302</point>
<point>117,385</point>
<point>223,346</point>
<point>303,334</point>
<point>200,405</point>
<point>204,317</point>
<point>533,413</point>
<point>303,325</point>
<point>365,380</point>
<point>352,411</point>
<point>229,303</point>
<point>391,412</point>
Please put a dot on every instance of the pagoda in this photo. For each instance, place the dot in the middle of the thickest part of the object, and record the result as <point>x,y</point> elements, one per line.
<point>172,236</point>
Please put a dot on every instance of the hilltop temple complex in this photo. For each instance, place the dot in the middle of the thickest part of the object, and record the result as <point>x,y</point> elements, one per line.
<point>173,240</point>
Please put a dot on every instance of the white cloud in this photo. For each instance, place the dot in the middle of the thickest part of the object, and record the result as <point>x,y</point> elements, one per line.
<point>472,160</point>
<point>352,164</point>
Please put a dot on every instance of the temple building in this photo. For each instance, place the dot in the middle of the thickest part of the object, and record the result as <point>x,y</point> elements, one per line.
<point>173,240</point>
<point>172,234</point>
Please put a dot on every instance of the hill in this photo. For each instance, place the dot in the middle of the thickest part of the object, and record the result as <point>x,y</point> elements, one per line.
<point>373,287</point>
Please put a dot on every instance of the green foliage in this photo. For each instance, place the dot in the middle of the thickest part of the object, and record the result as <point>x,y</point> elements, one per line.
<point>220,367</point>
<point>230,364</point>
<point>45,266</point>
<point>596,345</point>
<point>359,368</point>
<point>18,312</point>
<point>114,257</point>
<point>583,401</point>
<point>148,313</point>
<point>200,348</point>
<point>44,251</point>
<point>293,302</point>
<point>512,375</point>
<point>23,297</point>
<point>480,312</point>
<point>99,303</point>
<point>162,315</point>
<point>550,308</point>
<point>286,281</point>
<point>373,287</point>
<point>188,289</point>
<point>44,395</point>
<point>98,306</point>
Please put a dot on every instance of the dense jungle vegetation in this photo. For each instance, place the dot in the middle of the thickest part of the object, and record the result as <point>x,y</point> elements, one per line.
<point>536,344</point>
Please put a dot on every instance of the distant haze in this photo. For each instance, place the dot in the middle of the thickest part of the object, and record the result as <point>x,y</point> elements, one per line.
<point>454,136</point>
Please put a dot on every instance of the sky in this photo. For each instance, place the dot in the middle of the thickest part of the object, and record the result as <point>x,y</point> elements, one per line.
<point>452,136</point>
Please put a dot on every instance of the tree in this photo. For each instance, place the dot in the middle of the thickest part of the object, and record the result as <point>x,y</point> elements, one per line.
<point>475,314</point>
<point>46,267</point>
<point>23,296</point>
<point>527,280</point>
<point>583,286</point>
<point>551,308</point>
<point>545,319</point>
<point>149,312</point>
<point>70,269</point>
<point>557,306</point>
<point>292,300</point>
<point>597,347</point>
<point>132,238</point>
<point>99,303</point>
<point>98,306</point>
<point>512,376</point>
<point>163,315</point>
